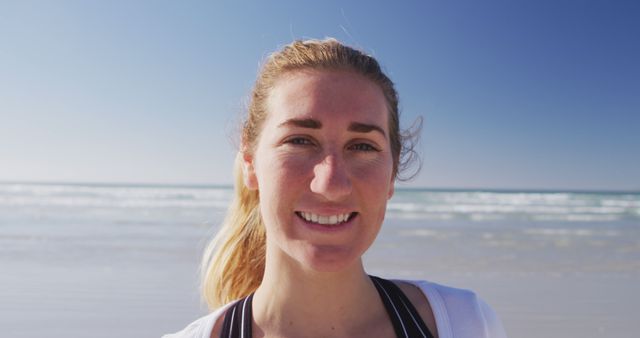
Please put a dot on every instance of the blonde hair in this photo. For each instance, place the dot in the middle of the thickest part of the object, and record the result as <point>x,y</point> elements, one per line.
<point>233,262</point>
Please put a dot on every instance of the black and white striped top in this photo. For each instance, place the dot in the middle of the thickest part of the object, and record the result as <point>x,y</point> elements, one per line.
<point>404,317</point>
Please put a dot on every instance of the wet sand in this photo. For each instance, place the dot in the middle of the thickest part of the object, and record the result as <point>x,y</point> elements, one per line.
<point>118,280</point>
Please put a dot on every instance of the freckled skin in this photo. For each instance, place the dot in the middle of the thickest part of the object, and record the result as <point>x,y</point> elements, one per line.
<point>327,168</point>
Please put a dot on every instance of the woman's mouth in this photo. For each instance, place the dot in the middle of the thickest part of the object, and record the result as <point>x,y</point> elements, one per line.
<point>326,219</point>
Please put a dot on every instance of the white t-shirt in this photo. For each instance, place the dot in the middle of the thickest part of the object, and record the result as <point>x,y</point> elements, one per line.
<point>458,313</point>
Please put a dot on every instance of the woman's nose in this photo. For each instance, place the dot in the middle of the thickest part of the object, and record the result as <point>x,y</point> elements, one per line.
<point>331,179</point>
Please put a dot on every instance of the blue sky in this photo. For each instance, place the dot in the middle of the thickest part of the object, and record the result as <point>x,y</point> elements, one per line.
<point>514,94</point>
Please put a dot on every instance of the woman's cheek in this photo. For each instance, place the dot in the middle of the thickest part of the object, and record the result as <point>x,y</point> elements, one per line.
<point>289,166</point>
<point>373,168</point>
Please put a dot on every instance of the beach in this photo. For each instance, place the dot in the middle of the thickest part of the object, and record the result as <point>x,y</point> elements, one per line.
<point>122,260</point>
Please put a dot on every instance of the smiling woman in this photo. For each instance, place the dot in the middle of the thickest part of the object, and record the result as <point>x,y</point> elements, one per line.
<point>321,149</point>
<point>321,166</point>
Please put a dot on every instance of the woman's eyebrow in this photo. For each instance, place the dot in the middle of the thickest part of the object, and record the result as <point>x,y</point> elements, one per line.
<point>359,127</point>
<point>302,123</point>
<point>310,123</point>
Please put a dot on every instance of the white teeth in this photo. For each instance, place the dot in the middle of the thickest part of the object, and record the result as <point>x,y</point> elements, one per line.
<point>333,219</point>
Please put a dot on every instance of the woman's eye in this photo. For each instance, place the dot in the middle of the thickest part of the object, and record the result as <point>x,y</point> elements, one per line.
<point>363,147</point>
<point>299,141</point>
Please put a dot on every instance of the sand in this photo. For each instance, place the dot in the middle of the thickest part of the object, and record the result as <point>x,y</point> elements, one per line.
<point>70,279</point>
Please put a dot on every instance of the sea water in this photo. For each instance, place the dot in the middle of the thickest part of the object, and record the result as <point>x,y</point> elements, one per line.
<point>188,204</point>
<point>121,260</point>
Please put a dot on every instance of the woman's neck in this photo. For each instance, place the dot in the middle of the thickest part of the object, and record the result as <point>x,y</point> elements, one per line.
<point>293,301</point>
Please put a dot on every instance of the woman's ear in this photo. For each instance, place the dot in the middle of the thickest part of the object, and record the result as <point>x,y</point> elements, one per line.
<point>248,171</point>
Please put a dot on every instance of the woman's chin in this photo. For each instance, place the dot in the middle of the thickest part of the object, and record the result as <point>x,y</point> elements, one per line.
<point>330,259</point>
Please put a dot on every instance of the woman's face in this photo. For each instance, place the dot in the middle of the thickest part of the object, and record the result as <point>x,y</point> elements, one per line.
<point>323,168</point>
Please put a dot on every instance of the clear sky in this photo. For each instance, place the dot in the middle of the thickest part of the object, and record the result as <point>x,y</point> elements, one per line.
<point>514,94</point>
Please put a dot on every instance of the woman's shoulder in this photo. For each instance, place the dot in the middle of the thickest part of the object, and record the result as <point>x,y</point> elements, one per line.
<point>459,312</point>
<point>201,327</point>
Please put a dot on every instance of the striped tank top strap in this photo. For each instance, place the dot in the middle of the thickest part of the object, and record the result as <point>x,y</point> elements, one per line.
<point>238,319</point>
<point>406,321</point>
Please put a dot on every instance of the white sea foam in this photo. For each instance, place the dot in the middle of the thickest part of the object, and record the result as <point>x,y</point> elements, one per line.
<point>406,204</point>
<point>515,205</point>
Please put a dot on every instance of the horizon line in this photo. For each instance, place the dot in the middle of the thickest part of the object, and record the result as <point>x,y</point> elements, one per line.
<point>230,186</point>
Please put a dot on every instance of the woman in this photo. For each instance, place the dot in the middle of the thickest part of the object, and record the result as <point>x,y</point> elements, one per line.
<point>320,151</point>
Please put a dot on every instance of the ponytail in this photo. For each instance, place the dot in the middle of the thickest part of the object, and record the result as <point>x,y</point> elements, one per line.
<point>233,262</point>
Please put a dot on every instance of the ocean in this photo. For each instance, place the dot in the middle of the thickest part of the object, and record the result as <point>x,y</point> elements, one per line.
<point>100,260</point>
<point>188,204</point>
